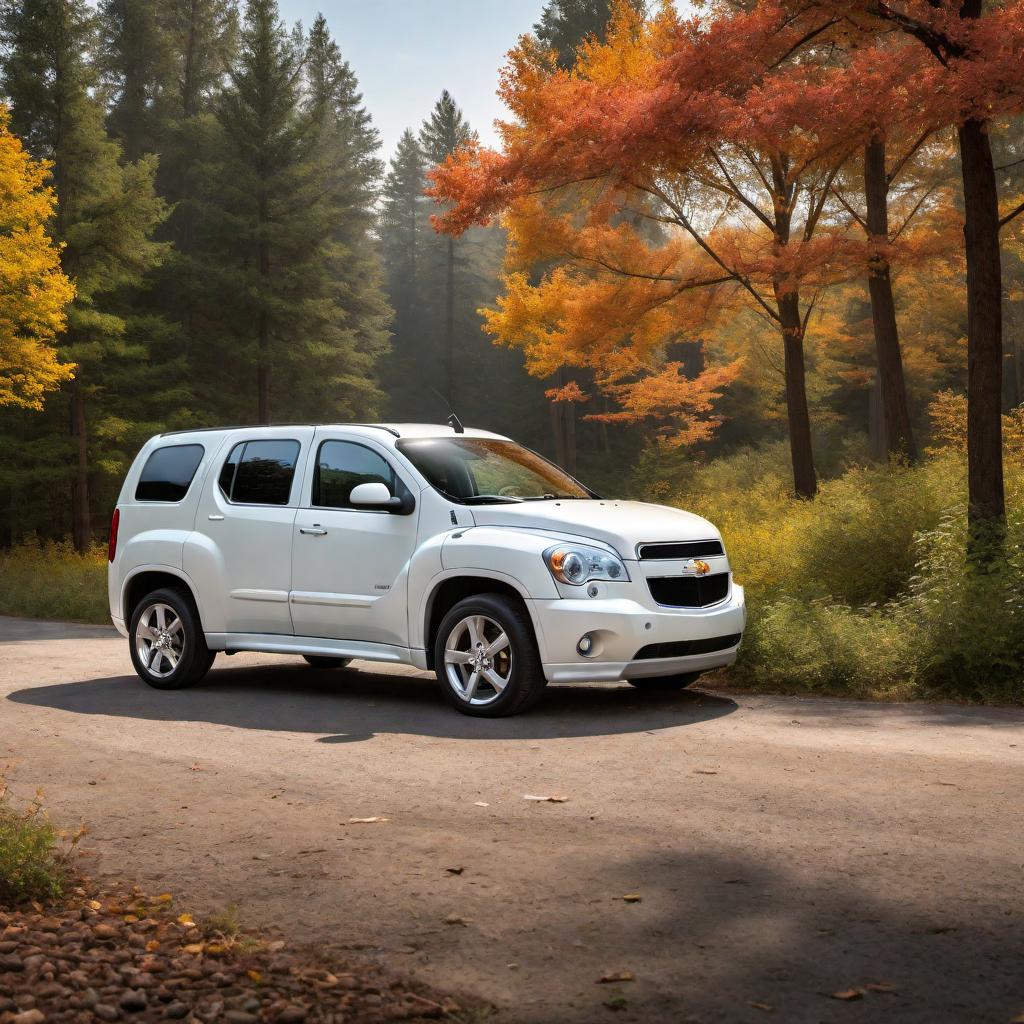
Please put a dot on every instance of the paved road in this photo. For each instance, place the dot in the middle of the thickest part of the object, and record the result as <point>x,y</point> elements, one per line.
<point>783,849</point>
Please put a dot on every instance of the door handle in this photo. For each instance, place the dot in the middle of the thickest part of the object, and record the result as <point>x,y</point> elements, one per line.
<point>215,518</point>
<point>312,531</point>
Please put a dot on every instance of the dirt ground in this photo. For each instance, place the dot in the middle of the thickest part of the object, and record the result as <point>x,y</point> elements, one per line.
<point>776,851</point>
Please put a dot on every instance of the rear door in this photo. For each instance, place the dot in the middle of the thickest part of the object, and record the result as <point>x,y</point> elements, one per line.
<point>242,560</point>
<point>350,565</point>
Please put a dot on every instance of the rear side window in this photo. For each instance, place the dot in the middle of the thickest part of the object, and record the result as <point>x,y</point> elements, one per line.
<point>342,465</point>
<point>259,472</point>
<point>168,472</point>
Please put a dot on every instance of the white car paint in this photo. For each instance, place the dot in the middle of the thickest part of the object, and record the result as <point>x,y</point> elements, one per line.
<point>361,583</point>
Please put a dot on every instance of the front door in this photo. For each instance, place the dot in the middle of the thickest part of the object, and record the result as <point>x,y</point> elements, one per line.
<point>350,565</point>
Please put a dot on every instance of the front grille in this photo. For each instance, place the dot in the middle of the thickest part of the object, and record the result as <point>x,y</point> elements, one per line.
<point>681,648</point>
<point>680,549</point>
<point>689,591</point>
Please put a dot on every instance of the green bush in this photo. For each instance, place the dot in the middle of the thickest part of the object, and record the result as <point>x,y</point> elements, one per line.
<point>33,854</point>
<point>869,590</point>
<point>52,581</point>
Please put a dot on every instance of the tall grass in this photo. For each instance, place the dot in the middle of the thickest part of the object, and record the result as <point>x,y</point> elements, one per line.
<point>869,590</point>
<point>52,581</point>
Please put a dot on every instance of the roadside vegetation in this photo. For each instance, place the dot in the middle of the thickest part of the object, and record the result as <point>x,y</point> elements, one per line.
<point>50,580</point>
<point>34,855</point>
<point>869,591</point>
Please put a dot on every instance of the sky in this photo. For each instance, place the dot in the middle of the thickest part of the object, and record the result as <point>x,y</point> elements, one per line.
<point>404,52</point>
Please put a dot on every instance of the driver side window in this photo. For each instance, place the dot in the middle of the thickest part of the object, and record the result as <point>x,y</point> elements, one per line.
<point>343,465</point>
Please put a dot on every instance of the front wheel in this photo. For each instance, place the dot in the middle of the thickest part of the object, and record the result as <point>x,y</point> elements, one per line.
<point>486,658</point>
<point>665,684</point>
<point>167,645</point>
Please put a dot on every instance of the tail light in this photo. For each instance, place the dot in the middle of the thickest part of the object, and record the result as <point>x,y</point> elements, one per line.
<point>115,521</point>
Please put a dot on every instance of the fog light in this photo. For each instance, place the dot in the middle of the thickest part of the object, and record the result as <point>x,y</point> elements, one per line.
<point>586,644</point>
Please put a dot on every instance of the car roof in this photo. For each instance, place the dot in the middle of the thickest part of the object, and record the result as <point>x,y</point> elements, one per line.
<point>392,430</point>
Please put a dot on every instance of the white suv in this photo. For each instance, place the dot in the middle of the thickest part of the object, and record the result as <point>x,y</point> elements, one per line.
<point>447,549</point>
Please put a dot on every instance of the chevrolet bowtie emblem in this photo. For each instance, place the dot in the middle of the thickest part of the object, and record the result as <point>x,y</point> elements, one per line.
<point>700,567</point>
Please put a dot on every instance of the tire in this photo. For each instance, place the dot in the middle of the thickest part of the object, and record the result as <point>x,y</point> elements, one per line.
<point>323,661</point>
<point>184,657</point>
<point>488,619</point>
<point>665,684</point>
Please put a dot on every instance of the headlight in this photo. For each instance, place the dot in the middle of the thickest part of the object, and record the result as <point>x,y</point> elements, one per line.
<point>576,564</point>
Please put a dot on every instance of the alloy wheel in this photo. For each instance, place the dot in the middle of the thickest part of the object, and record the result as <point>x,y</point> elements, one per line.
<point>160,640</point>
<point>478,659</point>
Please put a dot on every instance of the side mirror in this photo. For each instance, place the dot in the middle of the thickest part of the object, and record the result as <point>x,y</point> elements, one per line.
<point>374,495</point>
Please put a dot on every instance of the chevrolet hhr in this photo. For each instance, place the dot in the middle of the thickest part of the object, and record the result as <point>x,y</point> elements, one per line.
<point>457,551</point>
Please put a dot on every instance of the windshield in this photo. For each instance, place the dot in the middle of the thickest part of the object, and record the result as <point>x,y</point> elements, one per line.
<point>478,471</point>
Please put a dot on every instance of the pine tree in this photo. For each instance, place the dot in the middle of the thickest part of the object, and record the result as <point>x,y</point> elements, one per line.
<point>332,366</point>
<point>565,24</point>
<point>404,224</point>
<point>293,289</point>
<point>106,210</point>
<point>442,133</point>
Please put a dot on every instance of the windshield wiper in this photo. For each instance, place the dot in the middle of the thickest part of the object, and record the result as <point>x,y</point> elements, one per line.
<point>553,497</point>
<point>491,499</point>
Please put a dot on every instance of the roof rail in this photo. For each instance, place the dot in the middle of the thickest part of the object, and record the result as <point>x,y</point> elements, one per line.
<point>252,426</point>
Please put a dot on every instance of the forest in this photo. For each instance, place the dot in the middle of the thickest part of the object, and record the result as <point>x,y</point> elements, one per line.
<point>764,261</point>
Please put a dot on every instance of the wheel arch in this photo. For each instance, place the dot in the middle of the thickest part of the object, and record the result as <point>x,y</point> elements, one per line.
<point>446,593</point>
<point>149,578</point>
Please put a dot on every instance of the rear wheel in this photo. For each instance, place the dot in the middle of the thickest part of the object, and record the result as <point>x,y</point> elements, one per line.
<point>323,661</point>
<point>167,645</point>
<point>665,684</point>
<point>486,658</point>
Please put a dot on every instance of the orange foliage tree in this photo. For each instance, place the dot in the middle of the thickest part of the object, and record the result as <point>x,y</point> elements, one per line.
<point>708,131</point>
<point>969,75</point>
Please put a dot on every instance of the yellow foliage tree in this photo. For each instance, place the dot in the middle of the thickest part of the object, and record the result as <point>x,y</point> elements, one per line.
<point>34,291</point>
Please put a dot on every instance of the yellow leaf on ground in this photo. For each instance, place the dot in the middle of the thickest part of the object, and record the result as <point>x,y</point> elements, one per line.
<point>186,919</point>
<point>633,897</point>
<point>255,976</point>
<point>193,947</point>
<point>847,995</point>
<point>617,976</point>
<point>165,897</point>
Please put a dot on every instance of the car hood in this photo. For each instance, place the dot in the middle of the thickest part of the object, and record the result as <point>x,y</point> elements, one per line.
<point>622,524</point>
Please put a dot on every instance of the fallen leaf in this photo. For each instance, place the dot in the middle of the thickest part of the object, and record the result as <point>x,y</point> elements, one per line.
<point>365,821</point>
<point>455,871</point>
<point>767,1007</point>
<point>95,904</point>
<point>215,949</point>
<point>276,946</point>
<point>614,978</point>
<point>847,995</point>
<point>633,897</point>
<point>186,919</point>
<point>703,771</point>
<point>884,986</point>
<point>545,799</point>
<point>193,947</point>
<point>255,976</point>
<point>153,945</point>
<point>165,897</point>
<point>480,803</point>
<point>455,919</point>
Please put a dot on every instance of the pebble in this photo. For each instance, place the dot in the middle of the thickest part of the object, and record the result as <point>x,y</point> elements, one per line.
<point>133,1002</point>
<point>240,1017</point>
<point>293,1014</point>
<point>105,1012</point>
<point>10,962</point>
<point>29,1017</point>
<point>106,931</point>
<point>176,1010</point>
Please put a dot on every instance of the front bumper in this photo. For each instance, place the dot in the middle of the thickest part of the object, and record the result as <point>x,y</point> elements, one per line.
<point>622,627</point>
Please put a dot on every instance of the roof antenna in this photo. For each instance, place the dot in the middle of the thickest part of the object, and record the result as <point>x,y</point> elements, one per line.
<point>453,421</point>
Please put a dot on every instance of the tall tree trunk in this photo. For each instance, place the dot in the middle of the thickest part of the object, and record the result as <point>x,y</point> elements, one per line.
<point>876,421</point>
<point>449,323</point>
<point>899,437</point>
<point>81,523</point>
<point>569,417</point>
<point>263,357</point>
<point>805,481</point>
<point>986,502</point>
